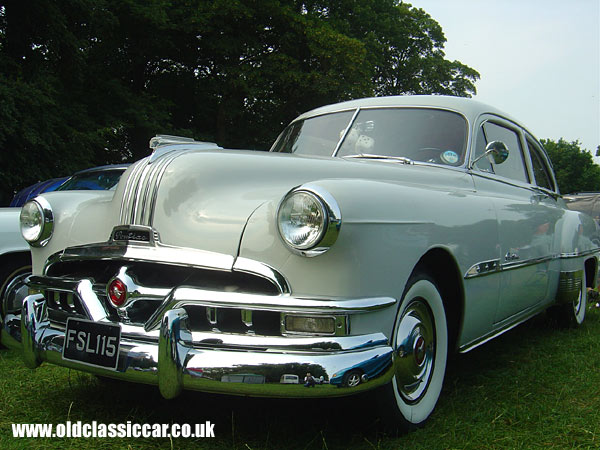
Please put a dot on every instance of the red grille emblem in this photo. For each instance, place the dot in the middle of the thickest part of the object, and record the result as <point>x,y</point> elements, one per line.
<point>117,292</point>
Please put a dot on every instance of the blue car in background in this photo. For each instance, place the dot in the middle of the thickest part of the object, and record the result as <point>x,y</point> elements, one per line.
<point>354,375</point>
<point>36,189</point>
<point>99,178</point>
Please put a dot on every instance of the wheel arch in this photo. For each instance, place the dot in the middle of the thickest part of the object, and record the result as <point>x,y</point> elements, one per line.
<point>22,257</point>
<point>591,272</point>
<point>442,266</point>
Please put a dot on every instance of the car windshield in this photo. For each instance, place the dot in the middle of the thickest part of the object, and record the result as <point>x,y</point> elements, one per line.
<point>95,180</point>
<point>394,134</point>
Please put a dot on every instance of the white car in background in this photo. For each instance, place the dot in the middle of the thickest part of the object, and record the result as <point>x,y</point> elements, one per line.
<point>15,262</point>
<point>15,256</point>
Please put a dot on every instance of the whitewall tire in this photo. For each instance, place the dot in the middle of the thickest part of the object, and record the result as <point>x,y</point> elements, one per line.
<point>420,343</point>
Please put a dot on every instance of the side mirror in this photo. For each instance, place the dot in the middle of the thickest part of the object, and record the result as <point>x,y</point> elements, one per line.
<point>497,149</point>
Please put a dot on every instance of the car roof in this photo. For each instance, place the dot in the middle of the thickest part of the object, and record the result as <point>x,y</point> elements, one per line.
<point>467,106</point>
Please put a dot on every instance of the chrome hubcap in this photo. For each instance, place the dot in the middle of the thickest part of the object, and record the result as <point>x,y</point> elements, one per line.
<point>415,350</point>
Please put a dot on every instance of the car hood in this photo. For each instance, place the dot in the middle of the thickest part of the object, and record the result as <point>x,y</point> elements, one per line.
<point>205,198</point>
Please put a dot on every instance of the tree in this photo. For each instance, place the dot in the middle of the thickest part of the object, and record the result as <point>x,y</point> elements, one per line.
<point>574,167</point>
<point>88,82</point>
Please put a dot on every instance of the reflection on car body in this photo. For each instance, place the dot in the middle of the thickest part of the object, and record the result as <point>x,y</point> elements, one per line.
<point>288,378</point>
<point>376,237</point>
<point>363,371</point>
<point>585,202</point>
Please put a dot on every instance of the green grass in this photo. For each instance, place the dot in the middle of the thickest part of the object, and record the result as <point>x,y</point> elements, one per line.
<point>534,387</point>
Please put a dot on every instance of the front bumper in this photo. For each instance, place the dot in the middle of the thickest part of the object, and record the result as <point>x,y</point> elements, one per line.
<point>175,358</point>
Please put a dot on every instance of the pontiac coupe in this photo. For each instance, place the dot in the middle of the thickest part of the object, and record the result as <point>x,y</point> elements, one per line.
<point>376,237</point>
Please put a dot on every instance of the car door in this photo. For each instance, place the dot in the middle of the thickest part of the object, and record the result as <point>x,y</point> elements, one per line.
<point>527,217</point>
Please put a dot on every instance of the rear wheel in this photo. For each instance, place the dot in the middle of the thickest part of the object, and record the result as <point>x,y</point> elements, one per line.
<point>420,345</point>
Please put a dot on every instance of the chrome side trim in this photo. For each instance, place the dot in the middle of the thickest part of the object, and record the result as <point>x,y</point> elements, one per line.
<point>527,262</point>
<point>578,254</point>
<point>493,266</point>
<point>483,268</point>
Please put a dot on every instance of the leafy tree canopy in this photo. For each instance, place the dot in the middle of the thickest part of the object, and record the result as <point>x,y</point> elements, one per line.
<point>574,167</point>
<point>88,82</point>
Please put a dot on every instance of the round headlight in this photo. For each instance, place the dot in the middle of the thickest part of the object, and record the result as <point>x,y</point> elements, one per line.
<point>37,222</point>
<point>308,221</point>
<point>302,220</point>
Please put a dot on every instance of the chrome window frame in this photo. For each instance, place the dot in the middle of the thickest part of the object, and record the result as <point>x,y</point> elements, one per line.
<point>545,161</point>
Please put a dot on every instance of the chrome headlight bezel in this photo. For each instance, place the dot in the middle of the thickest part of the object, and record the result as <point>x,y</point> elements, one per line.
<point>36,213</point>
<point>330,223</point>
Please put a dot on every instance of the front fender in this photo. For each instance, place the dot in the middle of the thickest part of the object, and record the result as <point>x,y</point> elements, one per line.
<point>80,217</point>
<point>386,228</point>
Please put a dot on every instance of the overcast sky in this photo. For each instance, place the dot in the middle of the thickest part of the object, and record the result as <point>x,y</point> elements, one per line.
<point>539,60</point>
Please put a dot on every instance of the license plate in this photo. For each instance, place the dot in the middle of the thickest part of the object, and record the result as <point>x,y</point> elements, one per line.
<point>92,343</point>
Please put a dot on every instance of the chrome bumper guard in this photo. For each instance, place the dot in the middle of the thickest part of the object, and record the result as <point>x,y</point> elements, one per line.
<point>175,358</point>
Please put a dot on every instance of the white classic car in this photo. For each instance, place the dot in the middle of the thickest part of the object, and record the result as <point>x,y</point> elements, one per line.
<point>377,236</point>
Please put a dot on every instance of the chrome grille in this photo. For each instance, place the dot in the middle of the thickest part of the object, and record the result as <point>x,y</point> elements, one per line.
<point>154,282</point>
<point>62,305</point>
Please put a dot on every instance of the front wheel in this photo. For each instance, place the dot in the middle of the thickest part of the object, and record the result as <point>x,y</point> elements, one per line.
<point>420,345</point>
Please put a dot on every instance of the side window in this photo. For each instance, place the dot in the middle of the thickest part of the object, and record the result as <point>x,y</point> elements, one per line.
<point>540,169</point>
<point>514,166</point>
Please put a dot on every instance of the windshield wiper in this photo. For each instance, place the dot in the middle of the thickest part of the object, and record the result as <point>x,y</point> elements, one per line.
<point>400,159</point>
